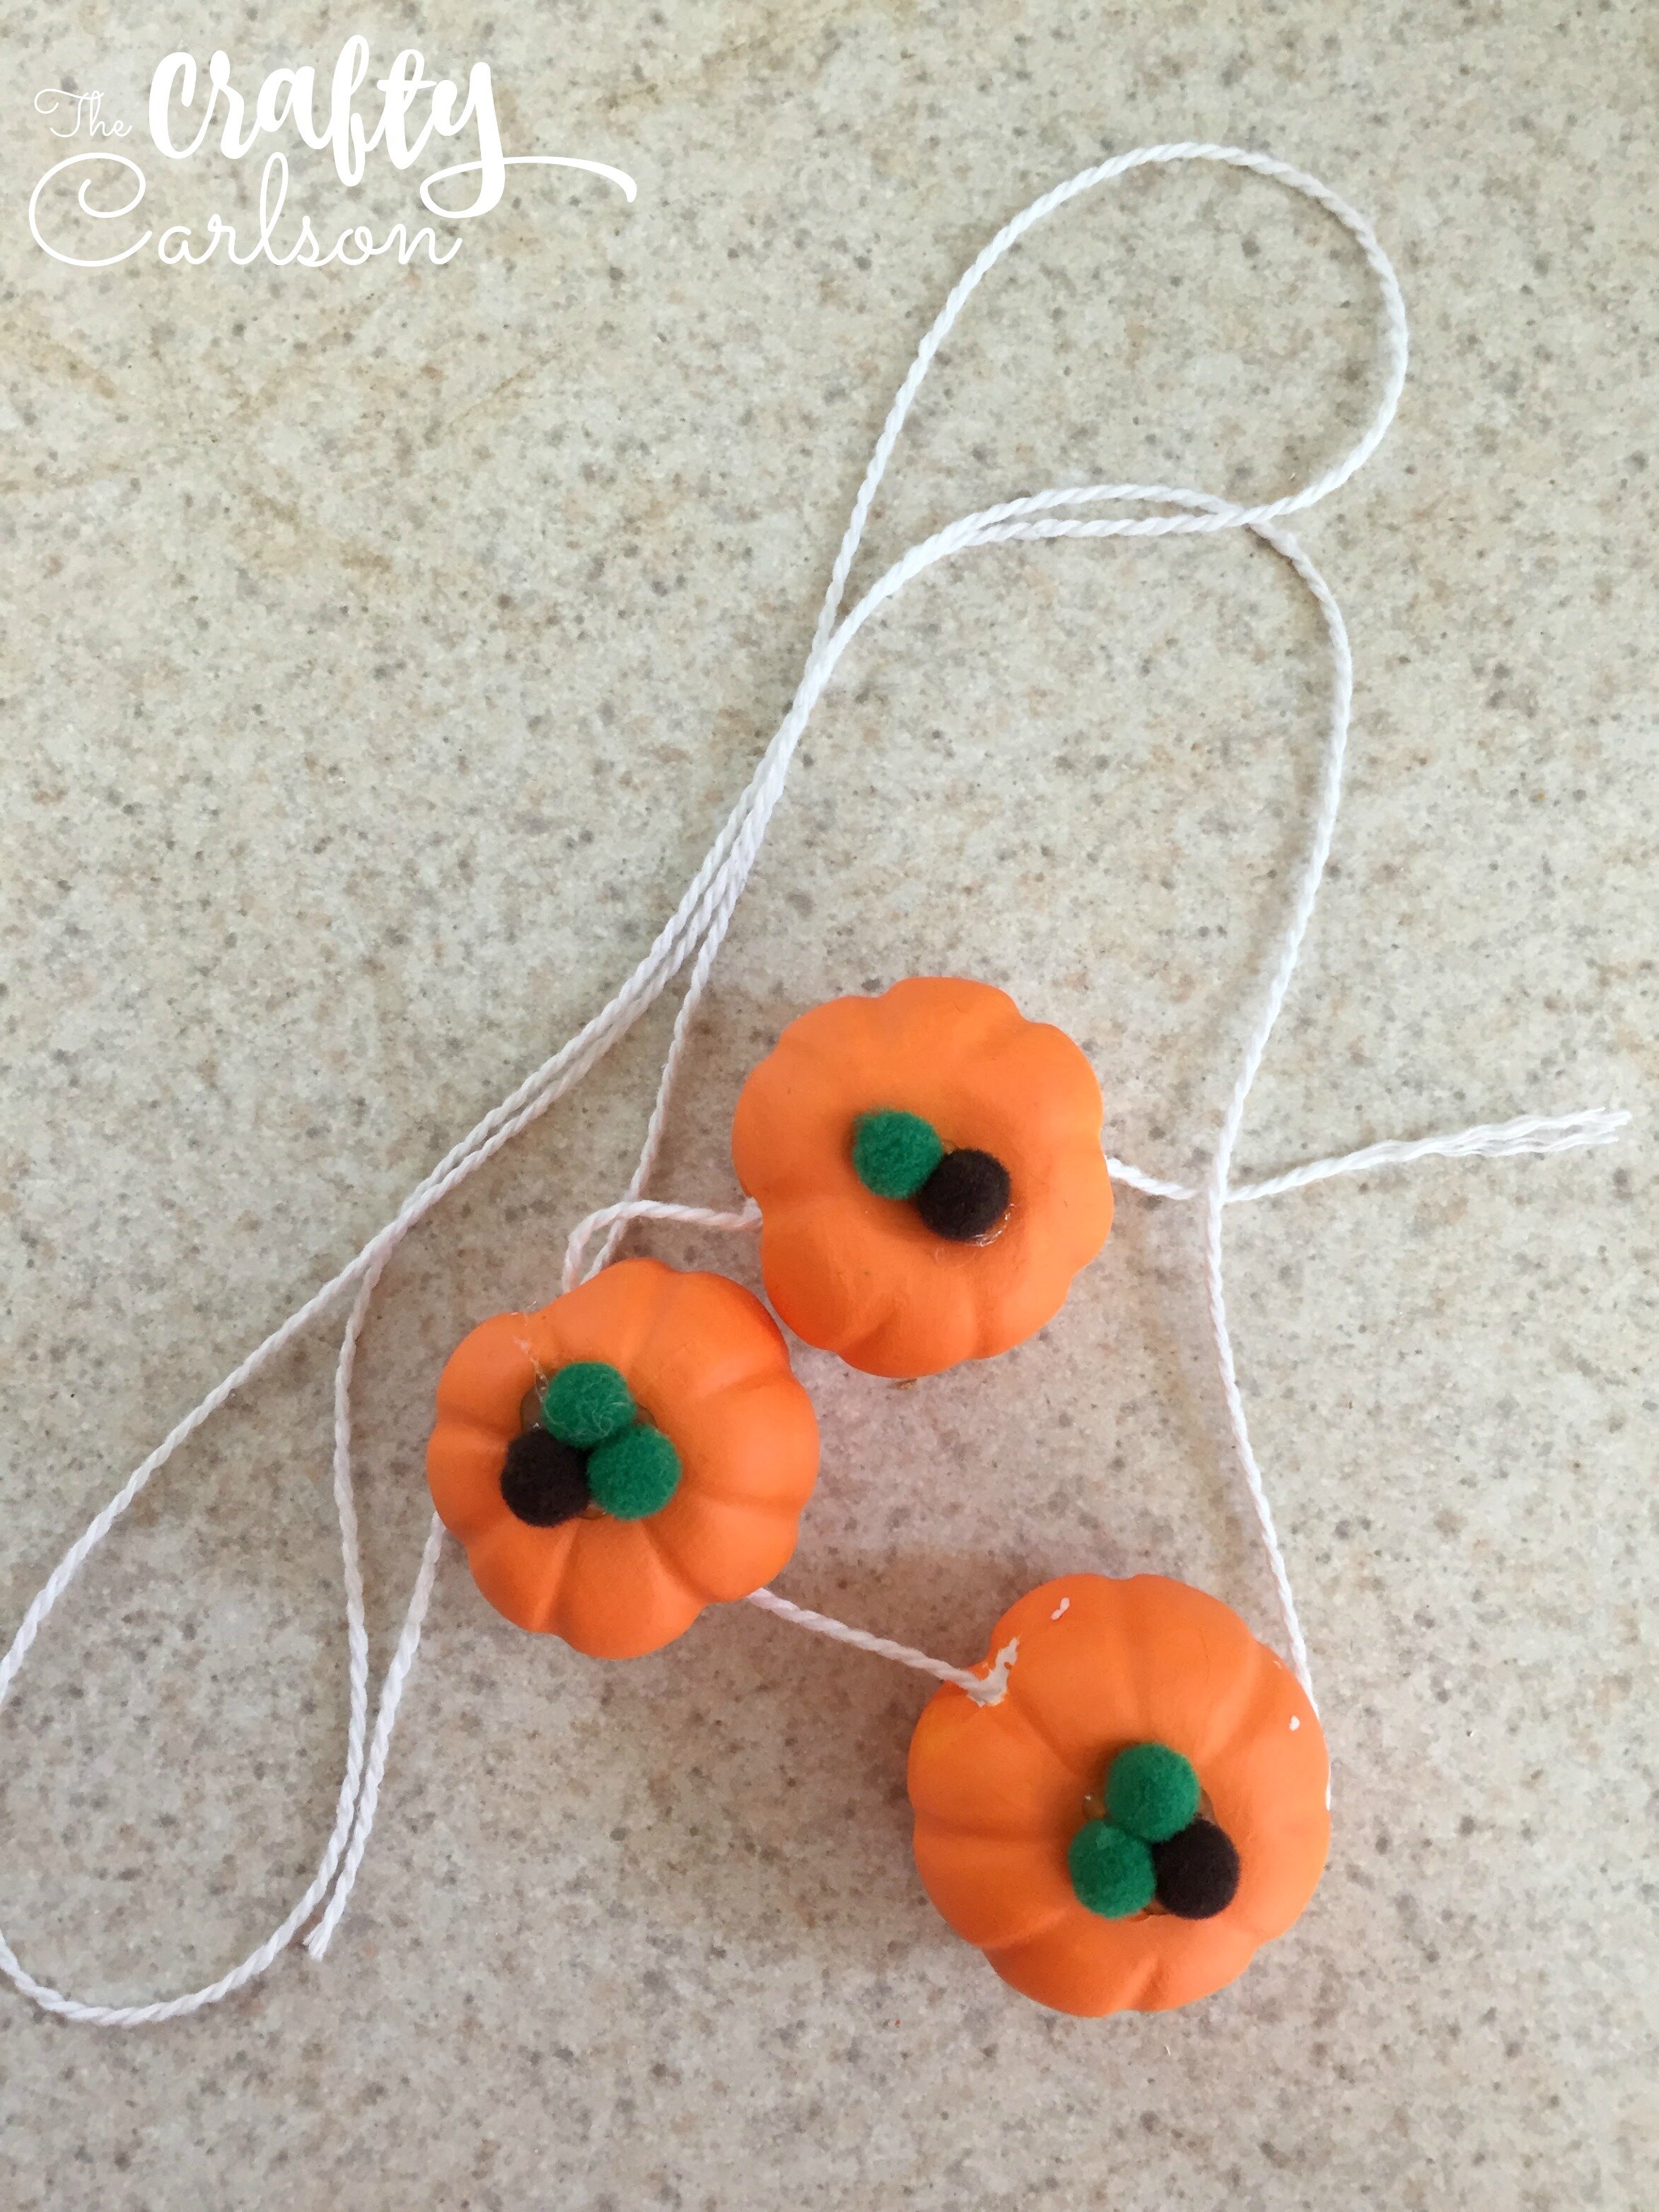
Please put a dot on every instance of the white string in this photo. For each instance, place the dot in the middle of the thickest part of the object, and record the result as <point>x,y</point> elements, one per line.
<point>987,1689</point>
<point>616,1217</point>
<point>694,933</point>
<point>392,1693</point>
<point>1527,1132</point>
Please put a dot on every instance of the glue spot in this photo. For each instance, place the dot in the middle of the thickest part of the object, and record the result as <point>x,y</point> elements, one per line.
<point>1064,1606</point>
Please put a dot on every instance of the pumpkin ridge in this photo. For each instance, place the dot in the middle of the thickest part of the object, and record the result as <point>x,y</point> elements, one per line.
<point>675,1568</point>
<point>770,1509</point>
<point>1146,1984</point>
<point>1068,1098</point>
<point>566,1560</point>
<point>1034,1728</point>
<point>487,1360</point>
<point>990,1328</point>
<point>996,1953</point>
<point>632,1330</point>
<point>1246,1913</point>
<point>1260,1693</point>
<point>550,1559</point>
<point>1015,1894</point>
<point>667,1535</point>
<point>861,1349</point>
<point>626,1600</point>
<point>1040,1934</point>
<point>942,1824</point>
<point>787,1183</point>
<point>1028,1964</point>
<point>758,1378</point>
<point>811,1058</point>
<point>978,1011</point>
<point>1171,1985</point>
<point>465,1463</point>
<point>473,1428</point>
<point>704,1484</point>
<point>810,1035</point>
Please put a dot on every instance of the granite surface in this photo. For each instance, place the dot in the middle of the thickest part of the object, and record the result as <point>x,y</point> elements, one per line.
<point>383,647</point>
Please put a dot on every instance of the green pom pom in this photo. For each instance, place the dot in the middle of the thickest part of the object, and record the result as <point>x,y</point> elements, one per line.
<point>1151,1791</point>
<point>1112,1873</point>
<point>636,1474</point>
<point>894,1153</point>
<point>586,1404</point>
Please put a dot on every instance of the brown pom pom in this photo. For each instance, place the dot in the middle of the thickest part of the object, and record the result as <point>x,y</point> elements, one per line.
<point>966,1195</point>
<point>1197,1872</point>
<point>543,1480</point>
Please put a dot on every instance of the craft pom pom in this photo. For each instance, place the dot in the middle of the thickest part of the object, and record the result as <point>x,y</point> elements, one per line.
<point>704,1449</point>
<point>929,1172</point>
<point>1128,1704</point>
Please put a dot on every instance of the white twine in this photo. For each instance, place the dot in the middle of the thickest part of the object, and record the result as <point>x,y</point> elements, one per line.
<point>616,1217</point>
<point>987,1689</point>
<point>1501,1140</point>
<point>693,934</point>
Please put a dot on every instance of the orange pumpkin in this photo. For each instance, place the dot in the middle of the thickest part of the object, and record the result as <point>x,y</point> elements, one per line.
<point>1011,1798</point>
<point>929,1171</point>
<point>710,1417</point>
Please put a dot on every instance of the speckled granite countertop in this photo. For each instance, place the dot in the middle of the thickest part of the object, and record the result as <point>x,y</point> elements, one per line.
<point>384,647</point>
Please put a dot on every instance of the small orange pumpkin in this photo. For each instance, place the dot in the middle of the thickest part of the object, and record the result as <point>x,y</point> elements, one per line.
<point>709,1418</point>
<point>929,1172</point>
<point>1012,1799</point>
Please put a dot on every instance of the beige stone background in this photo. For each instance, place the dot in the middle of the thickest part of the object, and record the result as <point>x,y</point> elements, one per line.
<point>382,649</point>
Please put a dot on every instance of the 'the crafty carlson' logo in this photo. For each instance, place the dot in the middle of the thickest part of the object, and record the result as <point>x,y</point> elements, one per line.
<point>188,117</point>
